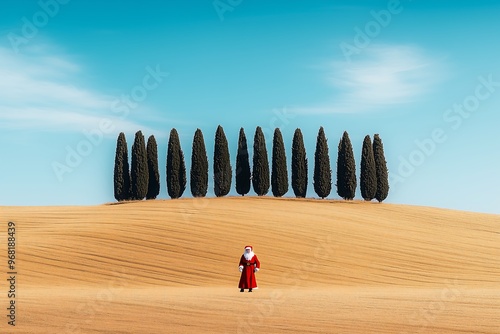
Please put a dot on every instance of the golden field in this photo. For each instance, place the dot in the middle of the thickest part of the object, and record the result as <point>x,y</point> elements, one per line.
<point>171,266</point>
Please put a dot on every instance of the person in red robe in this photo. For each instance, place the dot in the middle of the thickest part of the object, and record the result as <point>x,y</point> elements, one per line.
<point>249,265</point>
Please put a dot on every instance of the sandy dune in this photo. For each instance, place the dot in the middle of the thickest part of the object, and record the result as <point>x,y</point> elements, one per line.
<point>170,266</point>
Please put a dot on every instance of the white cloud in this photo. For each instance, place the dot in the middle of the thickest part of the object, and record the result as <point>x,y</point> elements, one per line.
<point>383,76</point>
<point>39,90</point>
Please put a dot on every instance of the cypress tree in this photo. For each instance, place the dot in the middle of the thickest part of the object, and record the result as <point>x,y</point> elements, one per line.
<point>279,173</point>
<point>222,164</point>
<point>322,173</point>
<point>346,169</point>
<point>299,165</point>
<point>242,166</point>
<point>176,168</point>
<point>199,166</point>
<point>122,172</point>
<point>381,169</point>
<point>260,174</point>
<point>368,176</point>
<point>154,174</point>
<point>139,172</point>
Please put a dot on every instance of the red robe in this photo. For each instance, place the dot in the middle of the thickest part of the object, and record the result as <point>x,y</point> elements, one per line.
<point>247,279</point>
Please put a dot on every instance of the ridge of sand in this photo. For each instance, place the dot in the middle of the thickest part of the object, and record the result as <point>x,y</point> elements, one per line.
<point>327,266</point>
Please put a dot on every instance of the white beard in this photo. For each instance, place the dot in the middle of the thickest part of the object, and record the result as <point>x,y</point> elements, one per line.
<point>248,256</point>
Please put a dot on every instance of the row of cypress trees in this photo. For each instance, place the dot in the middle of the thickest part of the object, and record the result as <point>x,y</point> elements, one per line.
<point>143,179</point>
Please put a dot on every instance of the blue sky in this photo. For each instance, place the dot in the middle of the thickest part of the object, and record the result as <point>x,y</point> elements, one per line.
<point>423,74</point>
